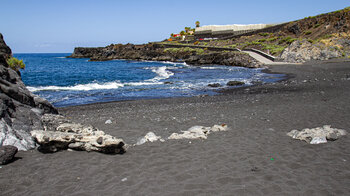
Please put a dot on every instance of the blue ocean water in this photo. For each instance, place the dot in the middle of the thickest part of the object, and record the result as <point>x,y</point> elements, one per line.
<point>66,81</point>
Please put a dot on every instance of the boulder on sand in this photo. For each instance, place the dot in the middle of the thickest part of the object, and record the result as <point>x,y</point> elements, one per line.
<point>317,135</point>
<point>7,154</point>
<point>198,132</point>
<point>149,137</point>
<point>74,136</point>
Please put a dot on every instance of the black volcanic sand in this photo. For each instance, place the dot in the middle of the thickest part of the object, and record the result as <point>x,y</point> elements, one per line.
<point>255,157</point>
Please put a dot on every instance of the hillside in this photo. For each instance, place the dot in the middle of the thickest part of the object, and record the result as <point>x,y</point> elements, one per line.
<point>321,37</point>
<point>329,31</point>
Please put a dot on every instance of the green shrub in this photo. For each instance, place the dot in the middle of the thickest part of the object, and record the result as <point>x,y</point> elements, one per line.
<point>255,43</point>
<point>287,40</point>
<point>15,64</point>
<point>327,36</point>
<point>200,51</point>
<point>317,25</point>
<point>308,32</point>
<point>271,39</point>
<point>310,41</point>
<point>274,49</point>
<point>261,40</point>
<point>264,34</point>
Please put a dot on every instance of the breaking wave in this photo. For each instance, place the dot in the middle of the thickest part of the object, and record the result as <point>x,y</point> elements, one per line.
<point>79,87</point>
<point>162,73</point>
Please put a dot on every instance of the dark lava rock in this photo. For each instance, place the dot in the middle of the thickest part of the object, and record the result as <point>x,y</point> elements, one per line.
<point>214,85</point>
<point>294,29</point>
<point>99,140</point>
<point>332,137</point>
<point>20,110</point>
<point>235,83</point>
<point>7,154</point>
<point>4,49</point>
<point>158,52</point>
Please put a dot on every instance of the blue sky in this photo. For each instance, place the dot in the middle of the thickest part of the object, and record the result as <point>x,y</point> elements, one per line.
<point>60,25</point>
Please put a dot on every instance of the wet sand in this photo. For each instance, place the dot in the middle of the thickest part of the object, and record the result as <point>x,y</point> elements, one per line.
<point>255,157</point>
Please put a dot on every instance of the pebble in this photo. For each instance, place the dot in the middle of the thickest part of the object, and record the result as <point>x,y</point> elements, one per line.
<point>108,122</point>
<point>124,179</point>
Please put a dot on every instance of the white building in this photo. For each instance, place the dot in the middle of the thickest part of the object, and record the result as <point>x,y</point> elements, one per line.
<point>222,30</point>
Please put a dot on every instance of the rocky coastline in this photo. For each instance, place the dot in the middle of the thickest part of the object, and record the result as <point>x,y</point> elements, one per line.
<point>158,52</point>
<point>28,121</point>
<point>20,110</point>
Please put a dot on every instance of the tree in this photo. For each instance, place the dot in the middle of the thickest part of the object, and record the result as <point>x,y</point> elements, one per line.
<point>197,23</point>
<point>182,33</point>
<point>187,29</point>
<point>172,35</point>
<point>15,64</point>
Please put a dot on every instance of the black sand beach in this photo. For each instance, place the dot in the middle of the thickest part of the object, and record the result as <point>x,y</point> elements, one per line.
<point>255,157</point>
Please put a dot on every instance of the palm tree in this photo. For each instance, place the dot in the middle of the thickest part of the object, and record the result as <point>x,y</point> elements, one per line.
<point>197,23</point>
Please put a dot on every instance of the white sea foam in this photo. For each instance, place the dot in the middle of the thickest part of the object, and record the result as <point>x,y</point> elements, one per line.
<point>167,62</point>
<point>174,63</point>
<point>92,86</point>
<point>61,57</point>
<point>162,73</point>
<point>209,67</point>
<point>142,83</point>
<point>79,87</point>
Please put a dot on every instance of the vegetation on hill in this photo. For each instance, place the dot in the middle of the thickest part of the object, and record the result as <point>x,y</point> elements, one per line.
<point>330,30</point>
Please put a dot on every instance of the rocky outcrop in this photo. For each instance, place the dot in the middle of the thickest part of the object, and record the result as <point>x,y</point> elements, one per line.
<point>235,83</point>
<point>80,52</point>
<point>60,134</point>
<point>302,51</point>
<point>7,154</point>
<point>317,135</point>
<point>158,52</point>
<point>20,110</point>
<point>5,51</point>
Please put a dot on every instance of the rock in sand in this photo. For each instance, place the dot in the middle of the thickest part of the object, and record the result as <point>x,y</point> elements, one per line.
<point>7,154</point>
<point>317,135</point>
<point>74,136</point>
<point>149,137</point>
<point>198,132</point>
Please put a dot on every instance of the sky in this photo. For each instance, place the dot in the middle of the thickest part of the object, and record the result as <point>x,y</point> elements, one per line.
<point>57,26</point>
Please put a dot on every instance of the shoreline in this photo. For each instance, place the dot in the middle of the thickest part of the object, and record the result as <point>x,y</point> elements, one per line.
<point>254,157</point>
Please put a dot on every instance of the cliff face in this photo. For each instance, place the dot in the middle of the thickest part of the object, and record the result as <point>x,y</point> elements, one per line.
<point>157,52</point>
<point>5,51</point>
<point>20,110</point>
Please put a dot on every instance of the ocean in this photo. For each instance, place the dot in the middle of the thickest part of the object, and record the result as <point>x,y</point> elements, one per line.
<point>68,82</point>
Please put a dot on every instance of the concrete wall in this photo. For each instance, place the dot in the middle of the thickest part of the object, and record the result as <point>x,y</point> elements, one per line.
<point>219,31</point>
